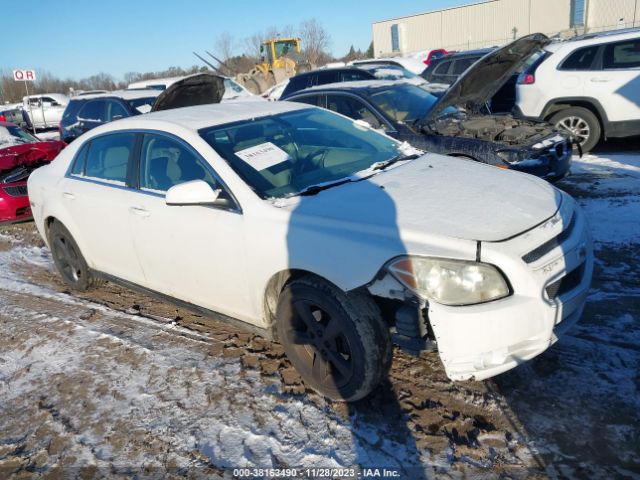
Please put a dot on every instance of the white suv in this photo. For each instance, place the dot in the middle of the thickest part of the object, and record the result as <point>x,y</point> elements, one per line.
<point>589,85</point>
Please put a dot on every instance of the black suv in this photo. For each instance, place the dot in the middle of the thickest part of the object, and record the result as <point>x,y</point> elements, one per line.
<point>324,77</point>
<point>89,111</point>
<point>447,69</point>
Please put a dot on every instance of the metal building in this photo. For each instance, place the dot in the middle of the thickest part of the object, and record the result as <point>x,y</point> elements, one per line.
<point>495,22</point>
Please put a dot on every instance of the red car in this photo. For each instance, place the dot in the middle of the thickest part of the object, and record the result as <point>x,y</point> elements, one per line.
<point>435,53</point>
<point>20,154</point>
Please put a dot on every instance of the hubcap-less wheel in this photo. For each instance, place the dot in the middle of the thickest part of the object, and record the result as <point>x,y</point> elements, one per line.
<point>577,126</point>
<point>338,342</point>
<point>320,344</point>
<point>67,258</point>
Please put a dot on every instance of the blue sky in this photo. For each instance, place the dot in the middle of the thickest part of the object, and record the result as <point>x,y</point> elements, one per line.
<point>72,38</point>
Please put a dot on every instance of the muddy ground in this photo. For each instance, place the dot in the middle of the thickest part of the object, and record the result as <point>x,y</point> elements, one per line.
<point>112,383</point>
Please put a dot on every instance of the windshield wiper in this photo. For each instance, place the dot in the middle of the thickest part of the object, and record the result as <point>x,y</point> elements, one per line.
<point>314,189</point>
<point>391,161</point>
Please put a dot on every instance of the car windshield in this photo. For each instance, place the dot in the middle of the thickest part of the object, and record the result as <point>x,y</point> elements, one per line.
<point>286,154</point>
<point>138,102</point>
<point>14,135</point>
<point>404,102</point>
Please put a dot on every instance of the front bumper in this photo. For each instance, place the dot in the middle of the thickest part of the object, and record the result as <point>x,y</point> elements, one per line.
<point>548,161</point>
<point>549,293</point>
<point>14,203</point>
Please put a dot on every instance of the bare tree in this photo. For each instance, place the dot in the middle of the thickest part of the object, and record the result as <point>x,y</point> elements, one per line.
<point>224,46</point>
<point>315,41</point>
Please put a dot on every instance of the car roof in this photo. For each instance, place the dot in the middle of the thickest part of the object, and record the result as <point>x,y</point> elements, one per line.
<point>359,85</point>
<point>211,115</point>
<point>467,53</point>
<point>332,69</point>
<point>593,39</point>
<point>123,94</point>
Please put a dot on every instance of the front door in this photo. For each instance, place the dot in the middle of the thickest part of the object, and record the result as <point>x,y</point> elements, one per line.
<point>194,253</point>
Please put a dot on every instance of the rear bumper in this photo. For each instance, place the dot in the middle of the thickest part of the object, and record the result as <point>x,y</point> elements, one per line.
<point>480,341</point>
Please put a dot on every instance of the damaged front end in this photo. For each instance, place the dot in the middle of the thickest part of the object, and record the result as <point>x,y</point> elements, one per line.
<point>16,164</point>
<point>506,142</point>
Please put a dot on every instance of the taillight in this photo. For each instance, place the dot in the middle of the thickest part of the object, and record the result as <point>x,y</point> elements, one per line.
<point>527,79</point>
<point>3,118</point>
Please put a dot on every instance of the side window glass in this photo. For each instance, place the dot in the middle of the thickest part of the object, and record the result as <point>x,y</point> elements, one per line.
<point>622,55</point>
<point>442,68</point>
<point>115,109</point>
<point>581,59</point>
<point>310,100</point>
<point>461,66</point>
<point>108,157</point>
<point>80,160</point>
<point>165,162</point>
<point>93,111</point>
<point>352,108</point>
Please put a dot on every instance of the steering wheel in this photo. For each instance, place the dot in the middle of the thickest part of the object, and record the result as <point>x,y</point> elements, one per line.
<point>308,163</point>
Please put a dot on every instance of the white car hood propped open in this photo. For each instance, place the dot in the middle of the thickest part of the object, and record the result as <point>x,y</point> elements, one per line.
<point>438,195</point>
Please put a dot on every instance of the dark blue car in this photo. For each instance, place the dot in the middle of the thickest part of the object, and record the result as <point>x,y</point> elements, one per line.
<point>459,122</point>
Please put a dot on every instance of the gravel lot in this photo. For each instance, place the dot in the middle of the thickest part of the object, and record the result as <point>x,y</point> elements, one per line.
<point>112,383</point>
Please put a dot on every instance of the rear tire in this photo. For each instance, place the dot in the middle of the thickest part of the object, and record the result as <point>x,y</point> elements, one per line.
<point>69,260</point>
<point>583,125</point>
<point>338,343</point>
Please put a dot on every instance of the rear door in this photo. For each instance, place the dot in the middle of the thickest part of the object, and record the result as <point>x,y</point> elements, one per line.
<point>96,194</point>
<point>617,84</point>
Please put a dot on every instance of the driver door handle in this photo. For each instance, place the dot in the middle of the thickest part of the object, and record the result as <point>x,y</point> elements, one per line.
<point>69,195</point>
<point>141,212</point>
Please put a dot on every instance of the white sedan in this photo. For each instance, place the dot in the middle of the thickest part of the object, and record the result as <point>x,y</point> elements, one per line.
<point>321,233</point>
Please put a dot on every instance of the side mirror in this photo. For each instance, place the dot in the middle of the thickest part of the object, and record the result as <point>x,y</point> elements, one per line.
<point>195,192</point>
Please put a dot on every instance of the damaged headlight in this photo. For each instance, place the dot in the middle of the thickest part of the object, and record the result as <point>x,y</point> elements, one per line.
<point>450,282</point>
<point>510,156</point>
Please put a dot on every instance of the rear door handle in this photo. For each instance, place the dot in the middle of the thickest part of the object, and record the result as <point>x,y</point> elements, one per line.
<point>139,211</point>
<point>600,79</point>
<point>69,195</point>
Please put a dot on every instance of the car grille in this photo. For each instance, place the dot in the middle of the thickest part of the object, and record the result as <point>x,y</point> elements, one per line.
<point>566,283</point>
<point>549,245</point>
<point>16,191</point>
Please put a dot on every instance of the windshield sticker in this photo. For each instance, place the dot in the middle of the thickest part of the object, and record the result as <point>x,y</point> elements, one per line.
<point>263,156</point>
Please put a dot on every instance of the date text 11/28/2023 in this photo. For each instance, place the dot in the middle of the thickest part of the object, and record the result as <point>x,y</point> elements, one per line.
<point>308,473</point>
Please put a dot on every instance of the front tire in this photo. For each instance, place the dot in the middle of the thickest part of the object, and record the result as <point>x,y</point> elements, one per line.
<point>337,342</point>
<point>69,260</point>
<point>581,123</point>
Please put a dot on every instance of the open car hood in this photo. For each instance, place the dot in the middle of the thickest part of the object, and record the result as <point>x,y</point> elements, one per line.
<point>475,87</point>
<point>198,89</point>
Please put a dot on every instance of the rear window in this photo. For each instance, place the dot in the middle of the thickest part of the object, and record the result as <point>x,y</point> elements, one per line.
<point>71,112</point>
<point>581,59</point>
<point>622,55</point>
<point>295,84</point>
